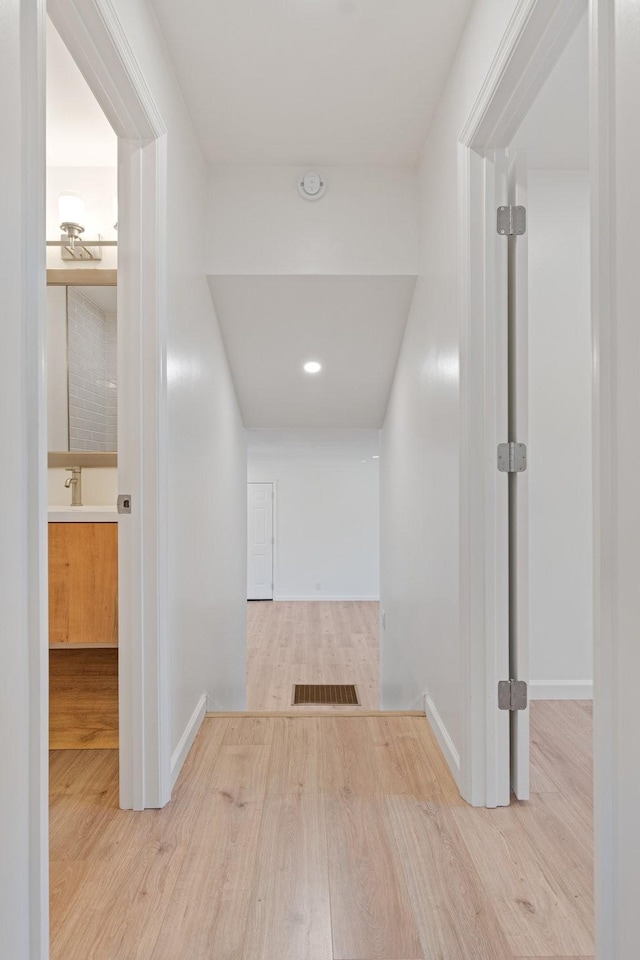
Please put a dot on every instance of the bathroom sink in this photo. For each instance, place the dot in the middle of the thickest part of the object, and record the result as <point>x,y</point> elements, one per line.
<point>84,514</point>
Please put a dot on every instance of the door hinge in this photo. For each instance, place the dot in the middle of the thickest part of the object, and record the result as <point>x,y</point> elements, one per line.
<point>512,695</point>
<point>512,457</point>
<point>512,221</point>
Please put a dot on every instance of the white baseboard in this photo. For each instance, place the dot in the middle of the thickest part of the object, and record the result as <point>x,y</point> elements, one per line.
<point>186,740</point>
<point>563,690</point>
<point>315,597</point>
<point>447,745</point>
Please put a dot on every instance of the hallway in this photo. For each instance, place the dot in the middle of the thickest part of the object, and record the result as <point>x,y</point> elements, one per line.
<point>311,642</point>
<point>325,839</point>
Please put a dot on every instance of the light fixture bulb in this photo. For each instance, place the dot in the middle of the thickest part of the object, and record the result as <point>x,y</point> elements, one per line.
<point>312,366</point>
<point>71,210</point>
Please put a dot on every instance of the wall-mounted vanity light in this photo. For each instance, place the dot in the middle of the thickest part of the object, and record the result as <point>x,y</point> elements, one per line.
<point>71,212</point>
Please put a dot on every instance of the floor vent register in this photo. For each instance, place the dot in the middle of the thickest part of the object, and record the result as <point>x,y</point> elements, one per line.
<point>338,694</point>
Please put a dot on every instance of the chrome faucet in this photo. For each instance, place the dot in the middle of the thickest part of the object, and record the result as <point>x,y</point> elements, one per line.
<point>74,482</point>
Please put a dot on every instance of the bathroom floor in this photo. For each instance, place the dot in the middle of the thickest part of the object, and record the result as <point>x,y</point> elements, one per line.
<point>83,699</point>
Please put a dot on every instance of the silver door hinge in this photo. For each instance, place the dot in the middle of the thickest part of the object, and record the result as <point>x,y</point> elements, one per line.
<point>512,457</point>
<point>512,695</point>
<point>512,221</point>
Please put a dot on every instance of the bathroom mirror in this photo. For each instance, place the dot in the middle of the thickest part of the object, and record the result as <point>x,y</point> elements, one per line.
<point>82,377</point>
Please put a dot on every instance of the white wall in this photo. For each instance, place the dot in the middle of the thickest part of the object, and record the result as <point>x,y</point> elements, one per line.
<point>366,223</point>
<point>56,367</point>
<point>23,626</point>
<point>206,442</point>
<point>327,510</point>
<point>617,753</point>
<point>420,452</point>
<point>99,486</point>
<point>560,484</point>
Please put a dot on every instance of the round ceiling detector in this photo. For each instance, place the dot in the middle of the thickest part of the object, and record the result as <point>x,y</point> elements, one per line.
<point>312,186</point>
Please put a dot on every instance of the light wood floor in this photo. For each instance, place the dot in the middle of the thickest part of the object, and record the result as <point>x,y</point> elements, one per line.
<point>83,699</point>
<point>321,642</point>
<point>325,839</point>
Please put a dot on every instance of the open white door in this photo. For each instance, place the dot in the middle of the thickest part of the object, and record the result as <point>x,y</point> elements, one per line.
<point>507,585</point>
<point>518,481</point>
<point>260,541</point>
<point>497,572</point>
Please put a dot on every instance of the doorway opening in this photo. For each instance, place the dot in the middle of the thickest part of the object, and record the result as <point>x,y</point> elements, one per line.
<point>313,569</point>
<point>550,402</point>
<point>96,54</point>
<point>82,381</point>
<point>82,409</point>
<point>531,356</point>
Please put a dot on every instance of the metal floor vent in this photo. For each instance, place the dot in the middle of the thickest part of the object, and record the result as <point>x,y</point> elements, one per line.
<point>341,694</point>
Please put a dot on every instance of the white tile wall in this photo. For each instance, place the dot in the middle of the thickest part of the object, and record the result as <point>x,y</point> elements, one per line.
<point>112,382</point>
<point>92,374</point>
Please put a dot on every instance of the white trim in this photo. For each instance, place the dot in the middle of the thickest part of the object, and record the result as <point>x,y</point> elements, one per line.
<point>92,32</point>
<point>561,690</point>
<point>330,599</point>
<point>533,41</point>
<point>186,740</point>
<point>443,737</point>
<point>607,638</point>
<point>24,848</point>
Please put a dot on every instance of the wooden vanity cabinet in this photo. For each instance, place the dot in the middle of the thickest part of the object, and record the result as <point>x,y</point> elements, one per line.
<point>83,584</point>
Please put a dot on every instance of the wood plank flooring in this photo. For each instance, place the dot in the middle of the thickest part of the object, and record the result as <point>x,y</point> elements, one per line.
<point>325,838</point>
<point>321,642</point>
<point>83,699</point>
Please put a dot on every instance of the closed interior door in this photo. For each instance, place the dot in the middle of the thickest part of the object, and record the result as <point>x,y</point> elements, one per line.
<point>260,544</point>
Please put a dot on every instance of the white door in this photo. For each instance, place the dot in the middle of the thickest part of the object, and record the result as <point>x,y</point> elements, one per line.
<point>498,570</point>
<point>518,482</point>
<point>507,586</point>
<point>260,545</point>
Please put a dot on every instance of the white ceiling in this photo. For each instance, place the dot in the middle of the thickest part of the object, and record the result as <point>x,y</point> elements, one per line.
<point>297,444</point>
<point>353,325</point>
<point>555,132</point>
<point>78,133</point>
<point>312,81</point>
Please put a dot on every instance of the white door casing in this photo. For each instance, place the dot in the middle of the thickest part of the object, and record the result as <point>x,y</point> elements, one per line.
<point>260,541</point>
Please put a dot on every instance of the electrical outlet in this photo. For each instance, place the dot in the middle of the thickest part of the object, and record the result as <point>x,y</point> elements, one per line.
<point>318,586</point>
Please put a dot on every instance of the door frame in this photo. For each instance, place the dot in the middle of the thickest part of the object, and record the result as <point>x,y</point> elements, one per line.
<point>96,40</point>
<point>274,485</point>
<point>530,48</point>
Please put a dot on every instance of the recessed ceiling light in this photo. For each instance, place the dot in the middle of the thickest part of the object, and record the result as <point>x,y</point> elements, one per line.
<point>375,457</point>
<point>312,366</point>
